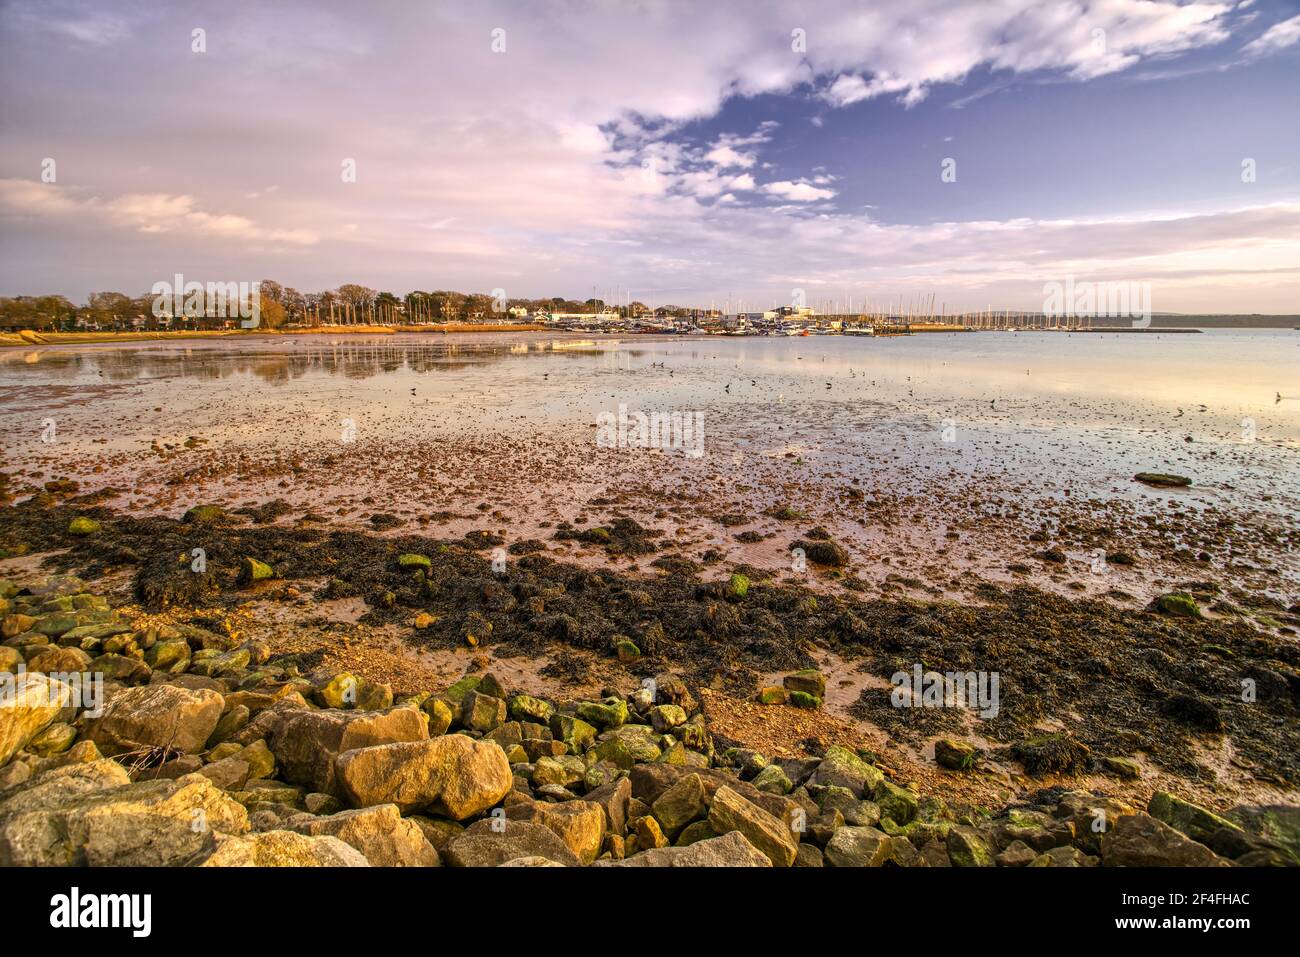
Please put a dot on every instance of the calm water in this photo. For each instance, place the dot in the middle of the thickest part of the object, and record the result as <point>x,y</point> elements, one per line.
<point>1081,411</point>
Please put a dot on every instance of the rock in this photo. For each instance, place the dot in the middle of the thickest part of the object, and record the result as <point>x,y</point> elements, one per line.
<point>283,849</point>
<point>379,833</point>
<point>898,804</point>
<point>696,831</point>
<point>491,843</point>
<point>55,739</point>
<point>681,804</point>
<point>1277,824</point>
<point>802,699</point>
<point>1125,768</point>
<point>527,708</point>
<point>201,514</point>
<point>729,850</point>
<point>410,561</point>
<point>630,743</point>
<point>56,822</point>
<point>858,847</point>
<point>842,768</point>
<point>731,812</point>
<point>968,848</point>
<point>626,650</point>
<point>1139,840</point>
<point>1063,856</point>
<point>1016,854</point>
<point>810,681</point>
<point>1178,604</point>
<point>28,704</point>
<point>481,712</point>
<point>172,656</point>
<point>772,695</point>
<point>564,771</point>
<point>440,716</point>
<point>83,526</point>
<point>229,774</point>
<point>614,799</point>
<point>665,717</point>
<point>579,824</point>
<point>809,855</point>
<point>1162,479</point>
<point>454,775</point>
<point>157,716</point>
<point>648,833</point>
<point>1196,822</point>
<point>773,780</point>
<point>606,714</point>
<point>955,755</point>
<point>306,743</point>
<point>572,731</point>
<point>251,570</point>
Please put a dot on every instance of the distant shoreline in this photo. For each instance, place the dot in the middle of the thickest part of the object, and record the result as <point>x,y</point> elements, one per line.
<point>29,337</point>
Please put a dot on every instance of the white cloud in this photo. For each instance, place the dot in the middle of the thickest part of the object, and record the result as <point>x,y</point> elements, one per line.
<point>525,169</point>
<point>798,192</point>
<point>1277,37</point>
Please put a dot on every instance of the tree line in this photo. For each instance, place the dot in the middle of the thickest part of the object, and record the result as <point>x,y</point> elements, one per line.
<point>349,304</point>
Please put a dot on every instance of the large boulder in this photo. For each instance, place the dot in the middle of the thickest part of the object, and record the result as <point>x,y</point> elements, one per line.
<point>492,843</point>
<point>579,824</point>
<point>615,797</point>
<point>858,847</point>
<point>840,767</point>
<point>157,716</point>
<point>731,812</point>
<point>28,704</point>
<point>283,849</point>
<point>380,833</point>
<point>681,804</point>
<point>729,850</point>
<point>1139,840</point>
<point>306,743</point>
<point>1200,824</point>
<point>454,775</point>
<point>147,824</point>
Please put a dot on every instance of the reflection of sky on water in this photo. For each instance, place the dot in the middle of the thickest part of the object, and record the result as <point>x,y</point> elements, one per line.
<point>1047,401</point>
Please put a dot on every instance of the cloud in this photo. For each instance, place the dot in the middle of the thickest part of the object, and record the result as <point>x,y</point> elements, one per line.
<point>609,147</point>
<point>143,212</point>
<point>798,192</point>
<point>1277,37</point>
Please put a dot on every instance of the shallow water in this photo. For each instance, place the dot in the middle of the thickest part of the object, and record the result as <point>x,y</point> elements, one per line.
<point>1063,411</point>
<point>936,459</point>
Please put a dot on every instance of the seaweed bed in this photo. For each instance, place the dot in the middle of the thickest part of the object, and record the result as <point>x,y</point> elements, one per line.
<point>1116,680</point>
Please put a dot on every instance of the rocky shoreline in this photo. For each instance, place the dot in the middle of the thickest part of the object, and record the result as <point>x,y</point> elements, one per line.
<point>201,746</point>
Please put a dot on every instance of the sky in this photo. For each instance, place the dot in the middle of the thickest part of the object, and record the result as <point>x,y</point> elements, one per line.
<point>737,154</point>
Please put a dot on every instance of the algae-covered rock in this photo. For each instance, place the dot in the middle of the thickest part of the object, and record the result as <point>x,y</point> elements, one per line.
<point>1162,479</point>
<point>810,681</point>
<point>955,755</point>
<point>410,561</point>
<point>83,526</point>
<point>843,768</point>
<point>252,570</point>
<point>858,847</point>
<point>1178,604</point>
